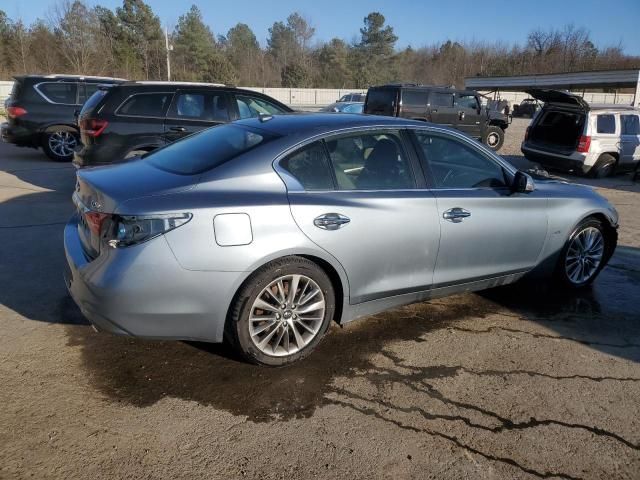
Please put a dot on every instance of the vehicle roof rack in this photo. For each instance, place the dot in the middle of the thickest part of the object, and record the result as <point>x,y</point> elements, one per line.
<point>168,82</point>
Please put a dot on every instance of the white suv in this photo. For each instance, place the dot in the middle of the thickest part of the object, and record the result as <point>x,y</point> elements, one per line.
<point>570,134</point>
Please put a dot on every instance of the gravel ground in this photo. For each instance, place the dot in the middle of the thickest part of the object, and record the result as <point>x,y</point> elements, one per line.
<point>518,382</point>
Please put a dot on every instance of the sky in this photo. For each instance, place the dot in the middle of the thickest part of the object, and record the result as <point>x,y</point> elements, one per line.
<point>416,23</point>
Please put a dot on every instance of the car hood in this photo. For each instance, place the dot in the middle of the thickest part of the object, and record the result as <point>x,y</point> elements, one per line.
<point>105,188</point>
<point>558,97</point>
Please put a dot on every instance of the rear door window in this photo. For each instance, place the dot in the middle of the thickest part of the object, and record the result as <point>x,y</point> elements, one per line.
<point>59,92</point>
<point>370,161</point>
<point>630,124</point>
<point>440,99</point>
<point>85,91</point>
<point>606,124</point>
<point>205,106</point>
<point>310,167</point>
<point>414,98</point>
<point>146,105</point>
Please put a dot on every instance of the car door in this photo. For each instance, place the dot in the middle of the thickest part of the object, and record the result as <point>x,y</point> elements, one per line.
<point>441,108</point>
<point>468,118</point>
<point>629,140</point>
<point>358,200</point>
<point>486,230</point>
<point>193,110</point>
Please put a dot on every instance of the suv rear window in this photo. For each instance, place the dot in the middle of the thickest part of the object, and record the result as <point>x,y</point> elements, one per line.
<point>59,92</point>
<point>606,124</point>
<point>412,97</point>
<point>146,105</point>
<point>630,124</point>
<point>93,100</point>
<point>381,101</point>
<point>207,149</point>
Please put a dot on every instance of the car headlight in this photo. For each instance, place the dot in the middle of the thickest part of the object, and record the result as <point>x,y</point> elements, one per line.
<point>134,229</point>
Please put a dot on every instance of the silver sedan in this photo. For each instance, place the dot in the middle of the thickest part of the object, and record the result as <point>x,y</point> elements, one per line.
<point>263,231</point>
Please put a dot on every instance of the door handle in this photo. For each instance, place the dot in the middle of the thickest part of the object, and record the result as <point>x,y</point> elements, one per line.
<point>456,214</point>
<point>331,221</point>
<point>461,115</point>
<point>178,129</point>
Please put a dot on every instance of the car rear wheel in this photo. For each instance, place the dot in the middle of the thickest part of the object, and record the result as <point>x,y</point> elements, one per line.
<point>282,312</point>
<point>59,145</point>
<point>604,167</point>
<point>494,138</point>
<point>584,255</point>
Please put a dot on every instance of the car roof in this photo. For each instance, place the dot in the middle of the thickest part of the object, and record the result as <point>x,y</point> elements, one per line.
<point>416,86</point>
<point>319,123</point>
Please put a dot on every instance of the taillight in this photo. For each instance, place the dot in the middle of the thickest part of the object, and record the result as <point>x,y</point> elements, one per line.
<point>583,144</point>
<point>15,112</point>
<point>526,134</point>
<point>93,126</point>
<point>95,220</point>
<point>131,230</point>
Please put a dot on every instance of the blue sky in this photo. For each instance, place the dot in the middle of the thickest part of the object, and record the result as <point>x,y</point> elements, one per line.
<point>417,23</point>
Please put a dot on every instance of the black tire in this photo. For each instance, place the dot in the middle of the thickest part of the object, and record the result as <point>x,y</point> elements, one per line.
<point>58,145</point>
<point>494,138</point>
<point>237,325</point>
<point>561,275</point>
<point>604,167</point>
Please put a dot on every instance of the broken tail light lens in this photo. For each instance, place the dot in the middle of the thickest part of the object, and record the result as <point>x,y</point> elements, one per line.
<point>133,229</point>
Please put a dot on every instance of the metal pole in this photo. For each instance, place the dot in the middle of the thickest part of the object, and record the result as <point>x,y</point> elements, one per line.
<point>166,41</point>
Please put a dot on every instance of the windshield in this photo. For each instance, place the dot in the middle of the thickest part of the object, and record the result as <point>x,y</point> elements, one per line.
<point>207,149</point>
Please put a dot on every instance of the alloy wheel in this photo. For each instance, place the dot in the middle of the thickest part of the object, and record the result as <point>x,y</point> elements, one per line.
<point>584,255</point>
<point>287,315</point>
<point>492,139</point>
<point>62,143</point>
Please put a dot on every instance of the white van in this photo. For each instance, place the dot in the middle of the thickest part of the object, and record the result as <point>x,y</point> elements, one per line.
<point>570,134</point>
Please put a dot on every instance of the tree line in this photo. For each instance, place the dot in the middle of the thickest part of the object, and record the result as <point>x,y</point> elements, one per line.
<point>129,42</point>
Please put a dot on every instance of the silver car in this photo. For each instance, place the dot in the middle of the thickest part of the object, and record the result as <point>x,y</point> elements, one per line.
<point>263,231</point>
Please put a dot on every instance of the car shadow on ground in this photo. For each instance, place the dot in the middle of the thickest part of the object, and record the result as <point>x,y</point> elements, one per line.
<point>140,372</point>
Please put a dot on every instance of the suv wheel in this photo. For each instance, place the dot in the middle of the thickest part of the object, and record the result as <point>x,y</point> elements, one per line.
<point>282,312</point>
<point>59,145</point>
<point>604,167</point>
<point>494,138</point>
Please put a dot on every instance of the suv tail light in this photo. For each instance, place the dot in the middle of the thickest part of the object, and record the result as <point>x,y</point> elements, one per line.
<point>15,112</point>
<point>583,144</point>
<point>92,126</point>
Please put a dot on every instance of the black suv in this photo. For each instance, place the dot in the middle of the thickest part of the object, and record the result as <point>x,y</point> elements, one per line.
<point>130,119</point>
<point>41,111</point>
<point>460,109</point>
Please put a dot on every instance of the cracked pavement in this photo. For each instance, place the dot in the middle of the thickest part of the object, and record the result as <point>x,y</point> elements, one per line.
<point>516,382</point>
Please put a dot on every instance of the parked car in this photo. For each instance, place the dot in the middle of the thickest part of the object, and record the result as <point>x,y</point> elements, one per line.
<point>134,118</point>
<point>352,97</point>
<point>344,107</point>
<point>573,135</point>
<point>264,230</point>
<point>41,112</point>
<point>460,109</point>
<point>527,108</point>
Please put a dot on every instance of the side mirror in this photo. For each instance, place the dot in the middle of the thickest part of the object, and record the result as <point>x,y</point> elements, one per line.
<point>522,183</point>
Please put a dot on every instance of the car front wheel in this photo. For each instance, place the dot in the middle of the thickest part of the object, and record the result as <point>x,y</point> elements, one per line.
<point>59,145</point>
<point>584,254</point>
<point>282,312</point>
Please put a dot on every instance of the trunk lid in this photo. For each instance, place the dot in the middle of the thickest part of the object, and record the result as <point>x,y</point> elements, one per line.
<point>99,192</point>
<point>557,97</point>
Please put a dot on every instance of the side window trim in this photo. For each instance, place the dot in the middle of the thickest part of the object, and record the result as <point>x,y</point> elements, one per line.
<point>507,171</point>
<point>289,178</point>
<point>164,116</point>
